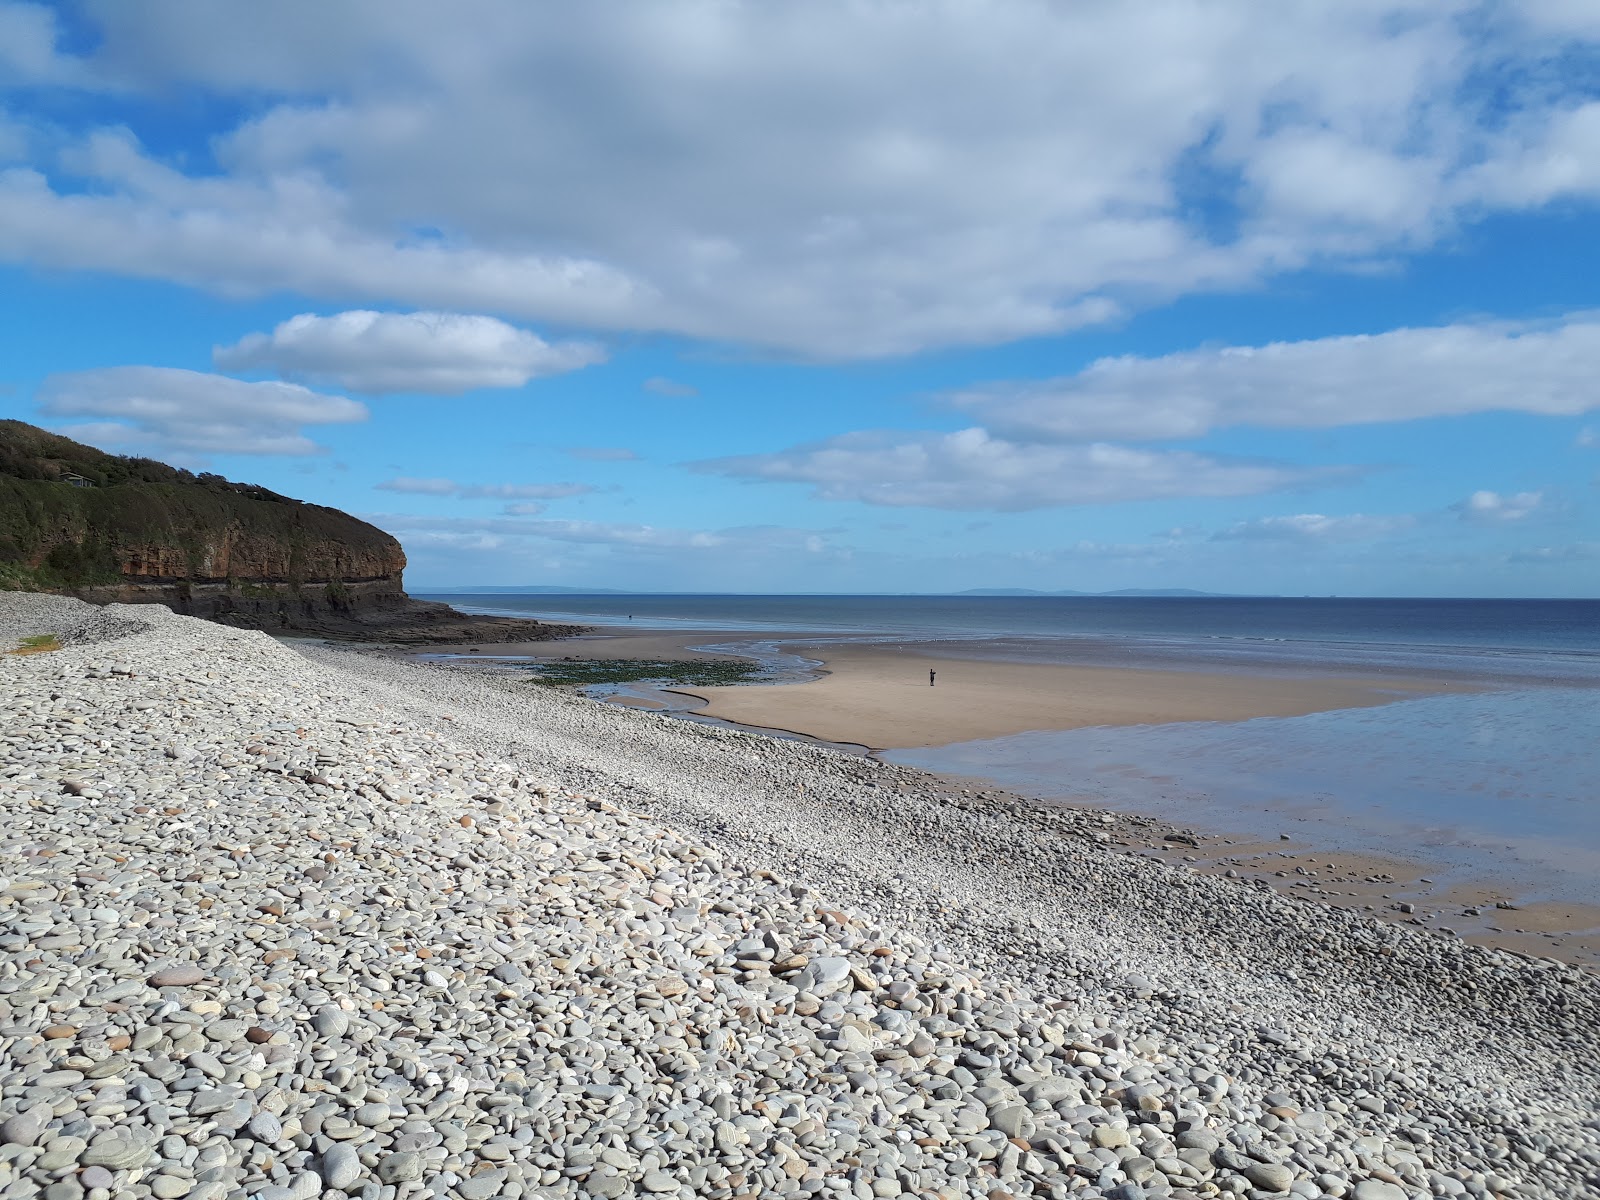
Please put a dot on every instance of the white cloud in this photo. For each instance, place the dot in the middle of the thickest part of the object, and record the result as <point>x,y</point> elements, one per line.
<point>832,179</point>
<point>604,453</point>
<point>15,140</point>
<point>1558,555</point>
<point>1314,528</point>
<point>971,469</point>
<point>663,386</point>
<point>1397,376</point>
<point>444,353</point>
<point>1493,508</point>
<point>28,53</point>
<point>475,491</point>
<point>162,410</point>
<point>419,487</point>
<point>1541,158</point>
<point>499,530</point>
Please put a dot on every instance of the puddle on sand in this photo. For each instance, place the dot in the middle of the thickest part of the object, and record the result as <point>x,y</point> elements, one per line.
<point>1491,785</point>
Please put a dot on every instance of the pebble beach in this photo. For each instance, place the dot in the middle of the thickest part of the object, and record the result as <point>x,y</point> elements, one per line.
<point>284,921</point>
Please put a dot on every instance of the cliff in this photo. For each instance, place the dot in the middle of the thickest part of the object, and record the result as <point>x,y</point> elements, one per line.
<point>109,528</point>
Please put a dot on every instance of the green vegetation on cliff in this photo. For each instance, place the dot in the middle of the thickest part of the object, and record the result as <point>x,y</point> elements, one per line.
<point>73,518</point>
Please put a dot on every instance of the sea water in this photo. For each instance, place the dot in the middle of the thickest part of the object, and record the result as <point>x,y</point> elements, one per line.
<point>1499,783</point>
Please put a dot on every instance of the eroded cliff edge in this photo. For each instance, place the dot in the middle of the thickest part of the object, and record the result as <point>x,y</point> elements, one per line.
<point>108,528</point>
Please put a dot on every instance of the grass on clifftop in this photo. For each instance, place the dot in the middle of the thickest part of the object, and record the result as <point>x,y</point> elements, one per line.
<point>693,672</point>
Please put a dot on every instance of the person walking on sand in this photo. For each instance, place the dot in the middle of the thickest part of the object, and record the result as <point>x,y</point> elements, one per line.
<point>930,676</point>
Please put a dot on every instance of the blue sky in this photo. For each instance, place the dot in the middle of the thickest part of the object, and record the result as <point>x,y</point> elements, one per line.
<point>836,296</point>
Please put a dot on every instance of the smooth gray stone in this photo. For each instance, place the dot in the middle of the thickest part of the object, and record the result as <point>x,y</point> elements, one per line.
<point>404,1167</point>
<point>265,1127</point>
<point>1378,1189</point>
<point>26,1128</point>
<point>117,1154</point>
<point>1269,1177</point>
<point>341,1166</point>
<point>482,1185</point>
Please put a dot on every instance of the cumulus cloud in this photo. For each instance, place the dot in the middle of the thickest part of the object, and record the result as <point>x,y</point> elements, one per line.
<point>824,179</point>
<point>663,386</point>
<point>1493,508</point>
<point>971,469</point>
<point>475,491</point>
<point>498,530</point>
<point>1314,528</point>
<point>1402,375</point>
<point>165,410</point>
<point>444,353</point>
<point>28,51</point>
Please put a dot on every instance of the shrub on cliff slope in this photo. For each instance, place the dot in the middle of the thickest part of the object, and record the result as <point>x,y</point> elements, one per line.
<point>74,518</point>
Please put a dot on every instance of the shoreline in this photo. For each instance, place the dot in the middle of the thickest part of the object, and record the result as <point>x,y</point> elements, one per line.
<point>465,857</point>
<point>1134,695</point>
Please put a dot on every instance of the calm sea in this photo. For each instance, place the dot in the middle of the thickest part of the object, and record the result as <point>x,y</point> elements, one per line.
<point>1570,625</point>
<point>1502,784</point>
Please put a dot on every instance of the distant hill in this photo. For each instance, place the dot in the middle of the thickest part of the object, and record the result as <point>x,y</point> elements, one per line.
<point>526,590</point>
<point>113,529</point>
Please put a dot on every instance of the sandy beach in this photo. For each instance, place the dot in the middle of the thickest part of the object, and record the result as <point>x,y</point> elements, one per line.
<point>880,696</point>
<point>877,694</point>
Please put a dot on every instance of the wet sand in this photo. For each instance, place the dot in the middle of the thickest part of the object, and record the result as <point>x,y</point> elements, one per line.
<point>879,695</point>
<point>613,643</point>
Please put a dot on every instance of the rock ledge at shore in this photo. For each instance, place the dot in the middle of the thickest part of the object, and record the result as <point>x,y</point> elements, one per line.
<point>282,923</point>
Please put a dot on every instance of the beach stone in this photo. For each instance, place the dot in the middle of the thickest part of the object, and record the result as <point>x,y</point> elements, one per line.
<point>850,1040</point>
<point>116,1154</point>
<point>1377,1189</point>
<point>25,1129</point>
<point>1269,1177</point>
<point>403,1167</point>
<point>180,976</point>
<point>341,1166</point>
<point>658,1181</point>
<point>1015,1121</point>
<point>212,1100</point>
<point>265,1127</point>
<point>331,1022</point>
<point>170,1187</point>
<point>482,1185</point>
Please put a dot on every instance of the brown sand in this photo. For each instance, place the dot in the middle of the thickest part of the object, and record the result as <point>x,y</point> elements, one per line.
<point>879,696</point>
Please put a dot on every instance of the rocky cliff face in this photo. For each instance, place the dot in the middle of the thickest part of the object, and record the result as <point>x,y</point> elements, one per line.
<point>108,528</point>
<point>242,576</point>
